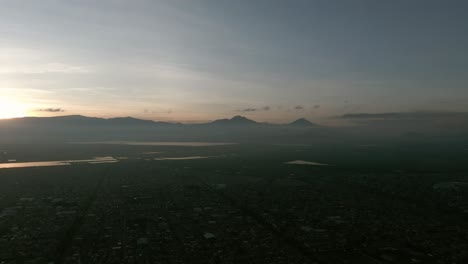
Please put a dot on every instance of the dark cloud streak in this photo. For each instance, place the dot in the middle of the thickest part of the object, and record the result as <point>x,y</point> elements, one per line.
<point>51,110</point>
<point>404,115</point>
<point>248,110</point>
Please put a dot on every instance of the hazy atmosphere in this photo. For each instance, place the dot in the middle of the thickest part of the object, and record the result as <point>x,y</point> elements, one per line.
<point>233,131</point>
<point>195,61</point>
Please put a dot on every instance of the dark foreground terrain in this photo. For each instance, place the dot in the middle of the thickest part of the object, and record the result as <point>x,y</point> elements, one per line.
<point>243,204</point>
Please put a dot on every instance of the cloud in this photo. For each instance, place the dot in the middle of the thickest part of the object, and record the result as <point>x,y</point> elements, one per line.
<point>247,110</point>
<point>404,115</point>
<point>159,111</point>
<point>299,107</point>
<point>417,120</point>
<point>316,106</point>
<point>51,110</point>
<point>410,123</point>
<point>372,115</point>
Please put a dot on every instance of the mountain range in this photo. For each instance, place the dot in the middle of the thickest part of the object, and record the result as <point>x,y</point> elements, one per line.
<point>239,129</point>
<point>82,128</point>
<point>75,120</point>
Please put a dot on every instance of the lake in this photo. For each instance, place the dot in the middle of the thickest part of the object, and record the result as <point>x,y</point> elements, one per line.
<point>187,158</point>
<point>303,162</point>
<point>158,143</point>
<point>96,160</point>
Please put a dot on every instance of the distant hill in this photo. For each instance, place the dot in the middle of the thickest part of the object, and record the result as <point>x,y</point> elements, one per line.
<point>130,121</point>
<point>302,122</point>
<point>79,120</point>
<point>237,120</point>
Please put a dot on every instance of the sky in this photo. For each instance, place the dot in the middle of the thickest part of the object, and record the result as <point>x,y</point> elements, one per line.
<point>199,60</point>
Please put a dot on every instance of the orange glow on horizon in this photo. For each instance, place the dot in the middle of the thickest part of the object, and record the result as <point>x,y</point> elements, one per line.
<point>10,108</point>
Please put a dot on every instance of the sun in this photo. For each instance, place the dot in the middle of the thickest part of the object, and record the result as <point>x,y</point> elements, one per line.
<point>10,108</point>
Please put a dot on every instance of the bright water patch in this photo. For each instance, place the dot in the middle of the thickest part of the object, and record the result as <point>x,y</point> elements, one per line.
<point>303,162</point>
<point>96,160</point>
<point>186,158</point>
<point>152,143</point>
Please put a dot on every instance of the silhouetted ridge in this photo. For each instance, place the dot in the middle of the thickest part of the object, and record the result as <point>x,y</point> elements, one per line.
<point>302,122</point>
<point>129,121</point>
<point>54,121</point>
<point>236,120</point>
<point>79,120</point>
